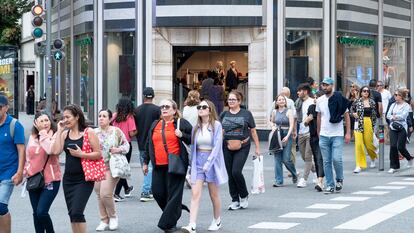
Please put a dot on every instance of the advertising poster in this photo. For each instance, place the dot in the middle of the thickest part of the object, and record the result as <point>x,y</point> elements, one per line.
<point>8,76</point>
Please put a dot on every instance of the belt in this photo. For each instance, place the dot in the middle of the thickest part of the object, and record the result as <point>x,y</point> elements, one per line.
<point>203,150</point>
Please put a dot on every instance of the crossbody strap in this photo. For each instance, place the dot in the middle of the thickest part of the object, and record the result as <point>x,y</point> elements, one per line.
<point>164,140</point>
<point>45,162</point>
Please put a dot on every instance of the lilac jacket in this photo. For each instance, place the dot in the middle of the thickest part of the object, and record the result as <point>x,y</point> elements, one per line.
<point>215,160</point>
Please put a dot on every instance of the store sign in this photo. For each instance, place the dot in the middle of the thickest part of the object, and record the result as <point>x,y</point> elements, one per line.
<point>6,66</point>
<point>355,41</point>
<point>84,41</point>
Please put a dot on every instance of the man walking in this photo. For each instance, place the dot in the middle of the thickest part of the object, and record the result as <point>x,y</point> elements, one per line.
<point>385,96</point>
<point>12,159</point>
<point>332,108</point>
<point>145,114</point>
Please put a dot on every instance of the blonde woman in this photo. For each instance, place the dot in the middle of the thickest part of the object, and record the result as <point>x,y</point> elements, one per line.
<point>190,110</point>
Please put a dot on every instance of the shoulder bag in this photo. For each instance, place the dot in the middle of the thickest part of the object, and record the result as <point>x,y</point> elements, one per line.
<point>119,166</point>
<point>37,181</point>
<point>94,170</point>
<point>175,163</point>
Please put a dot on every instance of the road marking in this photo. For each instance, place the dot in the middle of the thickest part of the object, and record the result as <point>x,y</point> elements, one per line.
<point>350,198</point>
<point>409,179</point>
<point>379,215</point>
<point>401,183</point>
<point>371,193</point>
<point>274,225</point>
<point>389,187</point>
<point>302,215</point>
<point>328,206</point>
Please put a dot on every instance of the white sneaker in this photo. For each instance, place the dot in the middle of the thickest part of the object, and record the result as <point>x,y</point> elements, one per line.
<point>235,205</point>
<point>214,226</point>
<point>410,163</point>
<point>357,170</point>
<point>372,164</point>
<point>302,183</point>
<point>392,171</point>
<point>188,229</point>
<point>244,203</point>
<point>113,223</point>
<point>102,226</point>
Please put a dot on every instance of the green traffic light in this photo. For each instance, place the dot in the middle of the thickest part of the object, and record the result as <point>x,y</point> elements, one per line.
<point>37,33</point>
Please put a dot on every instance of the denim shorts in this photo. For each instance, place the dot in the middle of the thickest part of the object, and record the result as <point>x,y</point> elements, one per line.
<point>6,189</point>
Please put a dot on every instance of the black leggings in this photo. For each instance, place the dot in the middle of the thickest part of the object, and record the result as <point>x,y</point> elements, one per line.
<point>235,161</point>
<point>124,182</point>
<point>398,141</point>
<point>317,156</point>
<point>76,196</point>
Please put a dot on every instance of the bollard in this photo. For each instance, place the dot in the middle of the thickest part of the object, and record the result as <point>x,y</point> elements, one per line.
<point>381,147</point>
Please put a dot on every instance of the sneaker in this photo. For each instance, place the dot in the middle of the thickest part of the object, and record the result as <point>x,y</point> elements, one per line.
<point>392,171</point>
<point>129,191</point>
<point>410,163</point>
<point>235,205</point>
<point>372,164</point>
<point>338,186</point>
<point>277,185</point>
<point>214,226</point>
<point>357,170</point>
<point>244,203</point>
<point>118,198</point>
<point>318,187</point>
<point>188,229</point>
<point>302,183</point>
<point>113,223</point>
<point>329,190</point>
<point>102,226</point>
<point>145,197</point>
<point>295,179</point>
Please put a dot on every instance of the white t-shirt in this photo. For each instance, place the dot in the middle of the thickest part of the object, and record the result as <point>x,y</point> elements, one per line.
<point>385,96</point>
<point>291,105</point>
<point>190,113</point>
<point>305,106</point>
<point>328,129</point>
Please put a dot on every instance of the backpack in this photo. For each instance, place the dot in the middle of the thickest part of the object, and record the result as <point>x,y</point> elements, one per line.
<point>12,126</point>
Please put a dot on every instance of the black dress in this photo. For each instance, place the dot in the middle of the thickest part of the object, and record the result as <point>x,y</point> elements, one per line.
<point>76,190</point>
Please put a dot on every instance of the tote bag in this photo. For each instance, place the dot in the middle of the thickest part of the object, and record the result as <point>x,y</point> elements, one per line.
<point>94,170</point>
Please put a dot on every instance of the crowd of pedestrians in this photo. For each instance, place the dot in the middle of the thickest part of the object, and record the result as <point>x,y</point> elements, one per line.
<point>207,145</point>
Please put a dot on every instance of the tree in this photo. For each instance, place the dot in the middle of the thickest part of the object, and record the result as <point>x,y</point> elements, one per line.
<point>11,12</point>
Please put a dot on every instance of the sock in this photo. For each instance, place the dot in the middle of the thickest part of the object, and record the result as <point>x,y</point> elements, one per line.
<point>218,220</point>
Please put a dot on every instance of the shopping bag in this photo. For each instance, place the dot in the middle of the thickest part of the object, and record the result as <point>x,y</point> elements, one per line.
<point>258,185</point>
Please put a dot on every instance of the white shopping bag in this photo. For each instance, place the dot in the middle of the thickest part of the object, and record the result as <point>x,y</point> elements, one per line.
<point>258,185</point>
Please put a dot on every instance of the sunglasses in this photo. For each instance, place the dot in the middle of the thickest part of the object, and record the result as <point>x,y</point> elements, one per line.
<point>204,107</point>
<point>232,100</point>
<point>166,107</point>
<point>380,85</point>
<point>365,90</point>
<point>396,94</point>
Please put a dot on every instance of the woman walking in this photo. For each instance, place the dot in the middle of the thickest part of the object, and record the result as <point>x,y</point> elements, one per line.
<point>124,119</point>
<point>207,164</point>
<point>165,140</point>
<point>364,111</point>
<point>239,127</point>
<point>190,109</point>
<point>282,120</point>
<point>75,188</point>
<point>39,158</point>
<point>112,141</point>
<point>397,115</point>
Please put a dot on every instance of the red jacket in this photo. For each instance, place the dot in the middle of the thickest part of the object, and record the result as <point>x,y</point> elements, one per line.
<point>36,155</point>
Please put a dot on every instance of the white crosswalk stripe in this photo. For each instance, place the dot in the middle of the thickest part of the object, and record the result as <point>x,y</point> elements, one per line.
<point>409,179</point>
<point>389,187</point>
<point>274,225</point>
<point>401,183</point>
<point>350,198</point>
<point>378,193</point>
<point>327,206</point>
<point>302,215</point>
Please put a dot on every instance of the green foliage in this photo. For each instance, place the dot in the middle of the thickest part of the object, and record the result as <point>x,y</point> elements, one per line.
<point>11,12</point>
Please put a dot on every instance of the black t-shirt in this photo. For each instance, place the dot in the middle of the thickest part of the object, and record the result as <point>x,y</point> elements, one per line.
<point>145,114</point>
<point>376,96</point>
<point>312,124</point>
<point>237,126</point>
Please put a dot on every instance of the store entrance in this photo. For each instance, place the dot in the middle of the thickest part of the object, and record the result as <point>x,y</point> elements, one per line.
<point>193,64</point>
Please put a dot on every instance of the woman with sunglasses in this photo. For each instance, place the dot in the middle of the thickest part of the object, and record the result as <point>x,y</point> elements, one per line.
<point>165,138</point>
<point>397,116</point>
<point>238,126</point>
<point>364,112</point>
<point>207,164</point>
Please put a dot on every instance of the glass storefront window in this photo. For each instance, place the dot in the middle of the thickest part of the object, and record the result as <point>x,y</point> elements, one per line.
<point>119,80</point>
<point>394,57</point>
<point>302,58</point>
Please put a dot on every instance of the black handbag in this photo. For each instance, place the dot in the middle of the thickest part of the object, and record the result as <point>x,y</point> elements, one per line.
<point>275,143</point>
<point>37,181</point>
<point>396,126</point>
<point>175,163</point>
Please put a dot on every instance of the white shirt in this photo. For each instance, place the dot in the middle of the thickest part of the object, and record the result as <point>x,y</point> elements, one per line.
<point>328,129</point>
<point>190,113</point>
<point>204,139</point>
<point>305,106</point>
<point>291,105</point>
<point>385,96</point>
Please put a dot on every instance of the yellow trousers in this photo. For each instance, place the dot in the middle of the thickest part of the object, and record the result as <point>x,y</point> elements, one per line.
<point>364,140</point>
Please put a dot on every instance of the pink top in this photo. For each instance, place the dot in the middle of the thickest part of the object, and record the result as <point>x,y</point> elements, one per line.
<point>36,155</point>
<point>126,126</point>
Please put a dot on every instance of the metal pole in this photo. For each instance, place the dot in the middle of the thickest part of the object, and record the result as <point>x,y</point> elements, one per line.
<point>48,74</point>
<point>381,146</point>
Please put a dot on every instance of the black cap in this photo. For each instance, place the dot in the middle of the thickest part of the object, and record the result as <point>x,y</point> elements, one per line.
<point>148,92</point>
<point>3,100</point>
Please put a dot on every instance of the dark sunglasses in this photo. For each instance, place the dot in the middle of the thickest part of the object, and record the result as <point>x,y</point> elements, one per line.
<point>166,107</point>
<point>204,107</point>
<point>365,90</point>
<point>232,100</point>
<point>396,94</point>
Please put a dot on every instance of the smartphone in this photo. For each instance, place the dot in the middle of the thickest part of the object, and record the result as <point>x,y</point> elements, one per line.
<point>72,146</point>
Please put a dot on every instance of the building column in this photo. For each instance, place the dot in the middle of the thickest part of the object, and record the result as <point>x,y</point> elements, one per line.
<point>72,54</point>
<point>281,44</point>
<point>139,54</point>
<point>98,35</point>
<point>326,48</point>
<point>333,38</point>
<point>269,52</point>
<point>411,64</point>
<point>380,40</point>
<point>148,43</point>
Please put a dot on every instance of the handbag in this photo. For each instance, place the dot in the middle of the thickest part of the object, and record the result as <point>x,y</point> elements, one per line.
<point>275,141</point>
<point>175,163</point>
<point>37,181</point>
<point>94,170</point>
<point>119,166</point>
<point>396,126</point>
<point>234,144</point>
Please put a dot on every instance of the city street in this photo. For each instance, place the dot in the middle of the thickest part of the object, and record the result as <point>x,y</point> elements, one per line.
<point>372,201</point>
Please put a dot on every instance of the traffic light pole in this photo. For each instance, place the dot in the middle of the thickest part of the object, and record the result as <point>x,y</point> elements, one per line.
<point>48,71</point>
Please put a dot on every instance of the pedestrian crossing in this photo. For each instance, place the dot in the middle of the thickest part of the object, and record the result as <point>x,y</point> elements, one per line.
<point>359,223</point>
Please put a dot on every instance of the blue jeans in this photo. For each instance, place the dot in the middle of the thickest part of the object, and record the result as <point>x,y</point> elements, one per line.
<point>41,201</point>
<point>6,189</point>
<point>284,157</point>
<point>146,186</point>
<point>332,150</point>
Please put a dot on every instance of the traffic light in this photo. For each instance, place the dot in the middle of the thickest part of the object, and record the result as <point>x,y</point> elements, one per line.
<point>58,45</point>
<point>37,21</point>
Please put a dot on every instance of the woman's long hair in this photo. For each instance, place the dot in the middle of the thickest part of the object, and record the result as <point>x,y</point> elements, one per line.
<point>76,111</point>
<point>193,98</point>
<point>53,126</point>
<point>212,118</point>
<point>124,108</point>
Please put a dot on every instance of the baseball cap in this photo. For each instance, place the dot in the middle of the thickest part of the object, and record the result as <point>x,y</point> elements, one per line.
<point>328,80</point>
<point>3,100</point>
<point>148,92</point>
